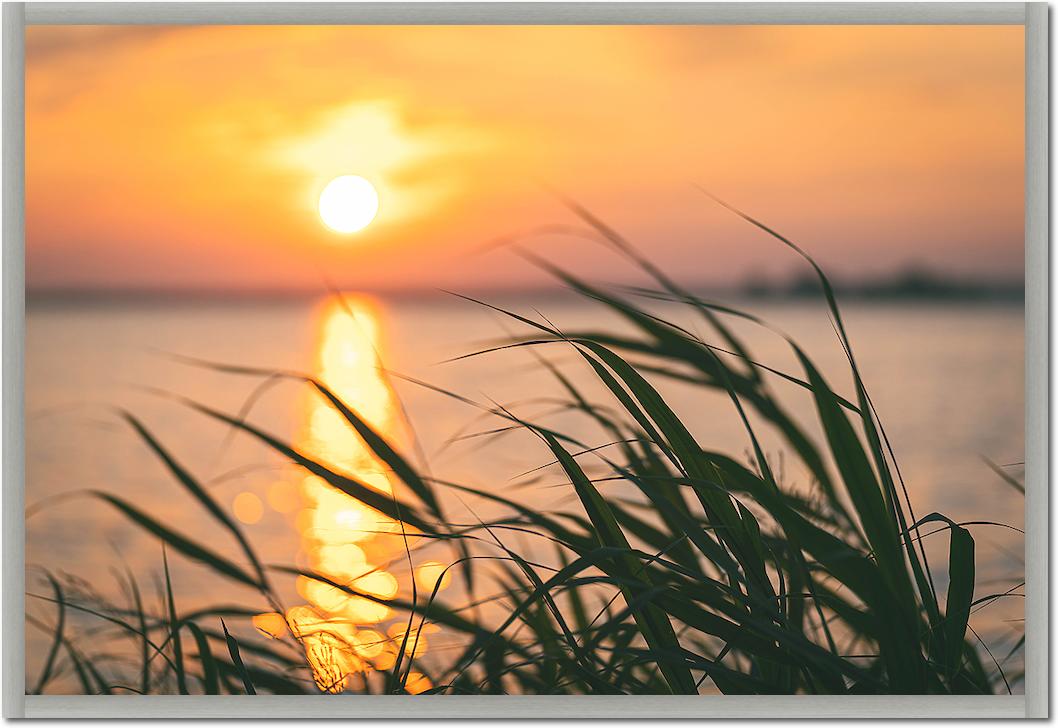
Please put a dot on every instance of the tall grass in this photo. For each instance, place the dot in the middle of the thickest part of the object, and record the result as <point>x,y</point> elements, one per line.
<point>714,576</point>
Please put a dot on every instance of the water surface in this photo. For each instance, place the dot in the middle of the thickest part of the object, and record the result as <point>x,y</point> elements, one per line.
<point>947,380</point>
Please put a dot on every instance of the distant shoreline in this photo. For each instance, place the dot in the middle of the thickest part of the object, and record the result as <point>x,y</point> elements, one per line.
<point>912,285</point>
<point>909,285</point>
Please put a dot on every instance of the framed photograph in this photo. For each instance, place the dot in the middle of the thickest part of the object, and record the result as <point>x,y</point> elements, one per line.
<point>447,360</point>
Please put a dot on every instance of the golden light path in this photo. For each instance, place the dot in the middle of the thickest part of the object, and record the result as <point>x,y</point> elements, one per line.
<point>341,538</point>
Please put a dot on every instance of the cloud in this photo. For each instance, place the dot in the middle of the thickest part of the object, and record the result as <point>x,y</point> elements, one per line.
<point>52,43</point>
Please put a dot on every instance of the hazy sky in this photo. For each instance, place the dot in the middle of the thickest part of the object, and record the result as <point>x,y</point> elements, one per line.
<point>193,157</point>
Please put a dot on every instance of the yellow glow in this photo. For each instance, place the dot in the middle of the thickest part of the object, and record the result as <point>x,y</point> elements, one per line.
<point>327,647</point>
<point>376,139</point>
<point>247,507</point>
<point>369,643</point>
<point>272,624</point>
<point>381,584</point>
<point>348,204</point>
<point>345,541</point>
<point>417,683</point>
<point>429,572</point>
<point>416,643</point>
<point>283,497</point>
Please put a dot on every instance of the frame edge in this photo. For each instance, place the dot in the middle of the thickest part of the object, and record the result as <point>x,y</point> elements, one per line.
<point>14,19</point>
<point>525,13</point>
<point>563,707</point>
<point>14,698</point>
<point>1037,358</point>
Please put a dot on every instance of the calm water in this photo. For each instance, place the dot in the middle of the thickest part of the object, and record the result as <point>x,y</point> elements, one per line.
<point>947,380</point>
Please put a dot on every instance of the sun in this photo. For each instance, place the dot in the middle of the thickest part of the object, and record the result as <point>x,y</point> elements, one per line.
<point>348,204</point>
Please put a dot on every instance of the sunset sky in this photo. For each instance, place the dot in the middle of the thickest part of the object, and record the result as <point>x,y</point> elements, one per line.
<point>192,158</point>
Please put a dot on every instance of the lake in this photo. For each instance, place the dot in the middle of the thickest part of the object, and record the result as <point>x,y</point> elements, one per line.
<point>947,380</point>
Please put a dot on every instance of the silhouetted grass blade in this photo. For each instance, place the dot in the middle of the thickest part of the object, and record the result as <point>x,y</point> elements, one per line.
<point>236,659</point>
<point>210,675</point>
<point>200,494</point>
<point>58,638</point>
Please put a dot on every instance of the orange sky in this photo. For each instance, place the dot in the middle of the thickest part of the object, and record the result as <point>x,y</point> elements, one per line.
<point>192,157</point>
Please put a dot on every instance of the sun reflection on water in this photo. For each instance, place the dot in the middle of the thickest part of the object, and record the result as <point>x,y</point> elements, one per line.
<point>342,539</point>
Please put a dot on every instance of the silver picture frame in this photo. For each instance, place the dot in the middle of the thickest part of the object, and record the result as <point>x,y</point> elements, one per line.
<point>1035,703</point>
